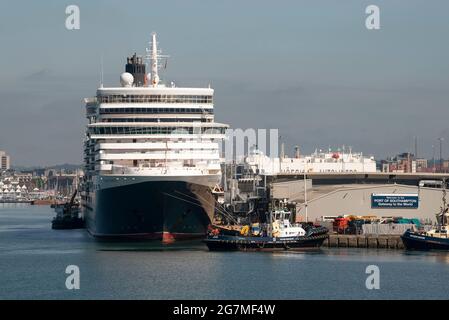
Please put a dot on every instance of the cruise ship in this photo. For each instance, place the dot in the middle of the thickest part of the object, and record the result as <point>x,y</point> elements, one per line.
<point>151,156</point>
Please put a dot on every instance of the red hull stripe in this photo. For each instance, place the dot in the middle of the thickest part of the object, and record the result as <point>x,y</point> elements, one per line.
<point>166,237</point>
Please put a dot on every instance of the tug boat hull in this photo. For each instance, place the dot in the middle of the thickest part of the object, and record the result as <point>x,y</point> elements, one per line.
<point>416,241</point>
<point>238,243</point>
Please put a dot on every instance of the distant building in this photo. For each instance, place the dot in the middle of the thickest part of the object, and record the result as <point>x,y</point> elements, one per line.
<point>422,165</point>
<point>445,165</point>
<point>402,163</point>
<point>5,161</point>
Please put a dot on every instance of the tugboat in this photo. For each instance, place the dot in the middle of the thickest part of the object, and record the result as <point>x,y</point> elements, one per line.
<point>67,216</point>
<point>436,239</point>
<point>277,234</point>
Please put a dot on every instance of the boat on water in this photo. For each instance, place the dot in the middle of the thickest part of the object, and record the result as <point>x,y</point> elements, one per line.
<point>68,216</point>
<point>278,234</point>
<point>435,239</point>
<point>151,156</point>
<point>431,240</point>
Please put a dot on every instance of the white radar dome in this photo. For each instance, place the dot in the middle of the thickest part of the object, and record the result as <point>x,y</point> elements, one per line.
<point>126,79</point>
<point>148,76</point>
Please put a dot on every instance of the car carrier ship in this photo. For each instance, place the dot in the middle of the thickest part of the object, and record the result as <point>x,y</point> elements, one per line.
<point>151,156</point>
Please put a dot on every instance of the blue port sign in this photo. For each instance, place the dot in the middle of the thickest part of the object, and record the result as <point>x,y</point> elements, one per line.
<point>392,201</point>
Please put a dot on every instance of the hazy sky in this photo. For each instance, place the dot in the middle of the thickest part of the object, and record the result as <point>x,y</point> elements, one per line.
<point>309,68</point>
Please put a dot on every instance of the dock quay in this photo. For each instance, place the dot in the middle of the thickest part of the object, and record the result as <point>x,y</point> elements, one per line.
<point>364,241</point>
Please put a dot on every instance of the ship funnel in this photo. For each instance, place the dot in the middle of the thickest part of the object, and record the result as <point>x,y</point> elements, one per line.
<point>136,68</point>
<point>297,153</point>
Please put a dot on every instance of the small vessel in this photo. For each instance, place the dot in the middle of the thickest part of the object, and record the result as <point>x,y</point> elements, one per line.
<point>277,234</point>
<point>431,240</point>
<point>435,239</point>
<point>67,216</point>
<point>42,202</point>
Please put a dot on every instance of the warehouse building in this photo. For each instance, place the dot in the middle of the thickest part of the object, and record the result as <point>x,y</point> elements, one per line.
<point>325,202</point>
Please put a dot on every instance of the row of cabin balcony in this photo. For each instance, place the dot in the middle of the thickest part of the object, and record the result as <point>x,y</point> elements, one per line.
<point>181,163</point>
<point>161,137</point>
<point>175,128</point>
<point>161,168</point>
<point>154,163</point>
<point>191,146</point>
<point>154,120</point>
<point>156,156</point>
<point>161,151</point>
<point>123,140</point>
<point>151,109</point>
<point>155,98</point>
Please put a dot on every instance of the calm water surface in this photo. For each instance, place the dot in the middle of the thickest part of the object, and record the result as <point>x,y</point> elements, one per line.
<point>33,259</point>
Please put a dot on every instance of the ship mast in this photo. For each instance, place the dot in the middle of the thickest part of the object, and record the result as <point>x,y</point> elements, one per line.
<point>444,209</point>
<point>153,54</point>
<point>154,71</point>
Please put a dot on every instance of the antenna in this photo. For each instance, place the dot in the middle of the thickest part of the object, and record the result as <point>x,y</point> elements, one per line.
<point>416,147</point>
<point>154,73</point>
<point>154,55</point>
<point>101,71</point>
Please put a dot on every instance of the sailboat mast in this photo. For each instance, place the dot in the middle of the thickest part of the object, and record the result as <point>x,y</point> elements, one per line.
<point>443,213</point>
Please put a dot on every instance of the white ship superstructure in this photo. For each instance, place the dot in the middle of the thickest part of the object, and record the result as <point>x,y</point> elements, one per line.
<point>151,144</point>
<point>155,131</point>
<point>318,162</point>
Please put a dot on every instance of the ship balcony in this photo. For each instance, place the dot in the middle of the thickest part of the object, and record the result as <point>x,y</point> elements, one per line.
<point>91,101</point>
<point>103,167</point>
<point>157,146</point>
<point>91,110</point>
<point>170,136</point>
<point>157,156</point>
<point>165,170</point>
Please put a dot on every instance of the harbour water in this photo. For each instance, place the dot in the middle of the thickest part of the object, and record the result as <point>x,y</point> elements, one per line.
<point>33,260</point>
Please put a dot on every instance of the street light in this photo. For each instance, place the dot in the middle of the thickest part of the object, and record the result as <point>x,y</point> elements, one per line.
<point>305,190</point>
<point>441,153</point>
<point>433,158</point>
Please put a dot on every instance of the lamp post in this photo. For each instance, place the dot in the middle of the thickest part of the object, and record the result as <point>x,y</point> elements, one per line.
<point>441,153</point>
<point>305,190</point>
<point>433,158</point>
<point>281,154</point>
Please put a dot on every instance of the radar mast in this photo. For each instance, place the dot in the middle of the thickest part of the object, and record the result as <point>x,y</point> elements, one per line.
<point>155,56</point>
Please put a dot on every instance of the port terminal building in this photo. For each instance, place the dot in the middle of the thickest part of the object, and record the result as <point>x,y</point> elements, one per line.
<point>325,185</point>
<point>323,196</point>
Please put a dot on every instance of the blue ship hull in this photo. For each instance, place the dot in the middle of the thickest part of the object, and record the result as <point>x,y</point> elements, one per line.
<point>416,241</point>
<point>159,210</point>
